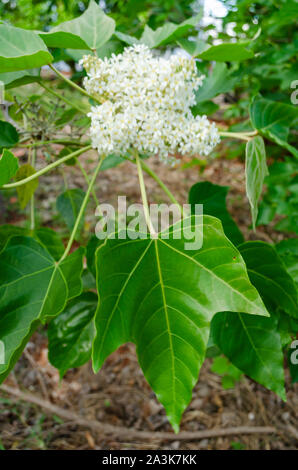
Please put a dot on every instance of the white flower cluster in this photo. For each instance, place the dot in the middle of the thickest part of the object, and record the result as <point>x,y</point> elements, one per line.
<point>146,105</point>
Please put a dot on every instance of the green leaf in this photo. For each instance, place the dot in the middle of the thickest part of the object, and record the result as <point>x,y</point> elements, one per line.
<point>169,32</point>
<point>288,252</point>
<point>8,135</point>
<point>22,77</point>
<point>89,31</point>
<point>219,81</point>
<point>229,52</point>
<point>222,366</point>
<point>32,287</point>
<point>213,198</point>
<point>26,191</point>
<point>162,296</point>
<point>273,120</point>
<point>111,161</point>
<point>47,237</point>
<point>269,275</point>
<point>68,205</point>
<point>72,332</point>
<point>21,49</point>
<point>255,172</point>
<point>9,165</point>
<point>193,47</point>
<point>255,344</point>
<point>252,344</point>
<point>72,269</point>
<point>131,40</point>
<point>204,107</point>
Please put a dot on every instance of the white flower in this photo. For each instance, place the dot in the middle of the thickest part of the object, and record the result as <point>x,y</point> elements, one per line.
<point>146,105</point>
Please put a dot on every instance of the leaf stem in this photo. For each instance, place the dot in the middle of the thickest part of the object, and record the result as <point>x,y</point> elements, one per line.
<point>88,182</point>
<point>144,196</point>
<point>47,168</point>
<point>81,212</point>
<point>32,213</point>
<point>73,84</point>
<point>55,141</point>
<point>151,173</point>
<point>239,135</point>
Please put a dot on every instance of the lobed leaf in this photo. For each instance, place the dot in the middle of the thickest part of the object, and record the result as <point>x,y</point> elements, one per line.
<point>162,297</point>
<point>89,31</point>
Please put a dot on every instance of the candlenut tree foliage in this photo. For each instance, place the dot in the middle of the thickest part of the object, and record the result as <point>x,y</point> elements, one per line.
<point>175,304</point>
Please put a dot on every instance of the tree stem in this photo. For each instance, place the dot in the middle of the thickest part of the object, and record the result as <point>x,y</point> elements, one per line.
<point>81,212</point>
<point>47,168</point>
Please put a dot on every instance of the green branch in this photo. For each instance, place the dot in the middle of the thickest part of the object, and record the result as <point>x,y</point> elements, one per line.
<point>73,84</point>
<point>47,168</point>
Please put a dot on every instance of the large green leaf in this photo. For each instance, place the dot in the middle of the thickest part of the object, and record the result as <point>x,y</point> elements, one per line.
<point>72,332</point>
<point>269,275</point>
<point>33,288</point>
<point>213,198</point>
<point>9,165</point>
<point>226,52</point>
<point>254,344</point>
<point>169,32</point>
<point>288,252</point>
<point>273,120</point>
<point>219,81</point>
<point>162,296</point>
<point>47,237</point>
<point>255,172</point>
<point>89,31</point>
<point>26,191</point>
<point>8,135</point>
<point>69,204</point>
<point>229,52</point>
<point>21,49</point>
